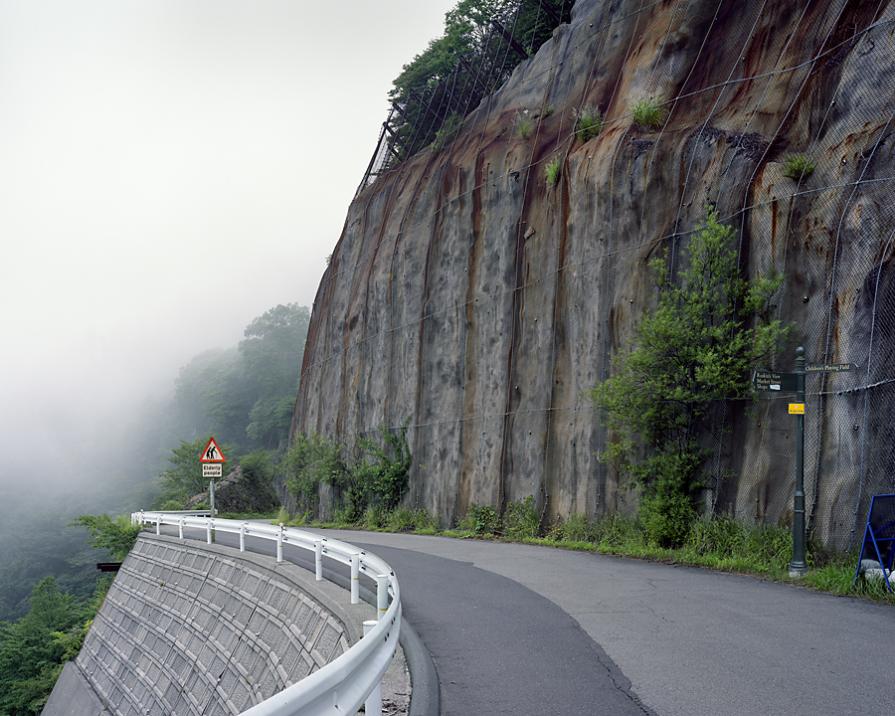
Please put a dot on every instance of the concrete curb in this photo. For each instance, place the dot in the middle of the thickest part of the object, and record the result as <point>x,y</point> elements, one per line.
<point>425,693</point>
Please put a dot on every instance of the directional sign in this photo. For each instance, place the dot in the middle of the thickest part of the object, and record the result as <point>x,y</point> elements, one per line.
<point>212,470</point>
<point>212,453</point>
<point>764,379</point>
<point>829,367</point>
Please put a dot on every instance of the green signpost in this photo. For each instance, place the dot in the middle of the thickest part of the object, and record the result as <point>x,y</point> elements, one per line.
<point>764,380</point>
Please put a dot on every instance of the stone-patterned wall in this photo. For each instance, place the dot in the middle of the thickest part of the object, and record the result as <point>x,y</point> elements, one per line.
<point>206,630</point>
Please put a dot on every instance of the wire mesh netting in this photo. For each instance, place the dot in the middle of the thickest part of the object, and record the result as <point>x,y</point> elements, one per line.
<point>491,372</point>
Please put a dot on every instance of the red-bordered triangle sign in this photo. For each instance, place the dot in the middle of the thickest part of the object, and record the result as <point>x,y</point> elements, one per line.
<point>212,453</point>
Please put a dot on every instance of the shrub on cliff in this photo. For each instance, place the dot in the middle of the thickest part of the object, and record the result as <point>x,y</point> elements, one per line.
<point>694,351</point>
<point>312,461</point>
<point>377,477</point>
<point>382,470</point>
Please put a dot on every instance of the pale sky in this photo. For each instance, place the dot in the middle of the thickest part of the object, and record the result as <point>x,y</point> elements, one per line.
<point>170,169</point>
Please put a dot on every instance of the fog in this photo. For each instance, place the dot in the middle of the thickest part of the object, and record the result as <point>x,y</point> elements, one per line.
<point>170,170</point>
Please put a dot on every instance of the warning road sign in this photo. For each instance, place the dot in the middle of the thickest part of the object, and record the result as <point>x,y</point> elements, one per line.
<point>212,470</point>
<point>796,408</point>
<point>212,453</point>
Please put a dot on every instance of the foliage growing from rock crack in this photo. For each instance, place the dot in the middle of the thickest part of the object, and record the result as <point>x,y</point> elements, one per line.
<point>524,125</point>
<point>648,113</point>
<point>798,167</point>
<point>588,124</point>
<point>552,171</point>
<point>693,352</point>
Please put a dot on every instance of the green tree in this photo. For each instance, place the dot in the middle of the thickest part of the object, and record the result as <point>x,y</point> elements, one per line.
<point>183,478</point>
<point>116,535</point>
<point>30,656</point>
<point>34,648</point>
<point>691,354</point>
<point>213,395</point>
<point>471,59</point>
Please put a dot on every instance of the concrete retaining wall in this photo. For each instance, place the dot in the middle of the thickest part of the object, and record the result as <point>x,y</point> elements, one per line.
<point>201,629</point>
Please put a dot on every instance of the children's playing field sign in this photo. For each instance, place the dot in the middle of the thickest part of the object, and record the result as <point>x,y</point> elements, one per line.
<point>212,459</point>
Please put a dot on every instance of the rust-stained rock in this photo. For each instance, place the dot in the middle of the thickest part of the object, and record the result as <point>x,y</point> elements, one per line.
<point>467,296</point>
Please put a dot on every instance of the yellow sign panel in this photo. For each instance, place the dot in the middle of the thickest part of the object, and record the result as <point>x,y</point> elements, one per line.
<point>796,408</point>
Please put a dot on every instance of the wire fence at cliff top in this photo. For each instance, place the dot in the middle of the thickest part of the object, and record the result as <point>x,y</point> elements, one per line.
<point>848,412</point>
<point>429,102</point>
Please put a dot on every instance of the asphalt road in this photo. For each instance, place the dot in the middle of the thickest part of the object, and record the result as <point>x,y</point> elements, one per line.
<point>686,642</point>
<point>519,629</point>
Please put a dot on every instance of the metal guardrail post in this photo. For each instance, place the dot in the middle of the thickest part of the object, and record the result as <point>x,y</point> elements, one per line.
<point>280,544</point>
<point>318,560</point>
<point>180,528</point>
<point>373,704</point>
<point>381,595</point>
<point>242,537</point>
<point>355,578</point>
<point>208,531</point>
<point>158,525</point>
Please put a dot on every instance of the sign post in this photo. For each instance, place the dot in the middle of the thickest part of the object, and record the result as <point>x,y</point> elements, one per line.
<point>212,460</point>
<point>798,567</point>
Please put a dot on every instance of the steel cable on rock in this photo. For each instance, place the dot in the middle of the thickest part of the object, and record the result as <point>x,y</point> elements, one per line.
<point>429,314</point>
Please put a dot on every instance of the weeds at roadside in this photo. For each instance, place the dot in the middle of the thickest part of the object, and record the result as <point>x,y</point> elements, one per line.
<point>720,543</point>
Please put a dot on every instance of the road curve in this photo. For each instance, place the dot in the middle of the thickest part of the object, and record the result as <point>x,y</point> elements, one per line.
<point>681,641</point>
<point>526,630</point>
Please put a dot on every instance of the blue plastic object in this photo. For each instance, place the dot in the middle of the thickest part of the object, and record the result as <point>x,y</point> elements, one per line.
<point>879,537</point>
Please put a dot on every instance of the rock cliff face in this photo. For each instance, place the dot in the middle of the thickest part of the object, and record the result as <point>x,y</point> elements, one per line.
<point>472,299</point>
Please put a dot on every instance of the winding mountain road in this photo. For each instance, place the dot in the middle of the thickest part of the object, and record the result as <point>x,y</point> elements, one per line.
<point>519,629</point>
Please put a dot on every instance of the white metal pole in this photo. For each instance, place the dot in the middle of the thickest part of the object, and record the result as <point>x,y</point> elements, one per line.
<point>158,525</point>
<point>280,544</point>
<point>355,578</point>
<point>318,559</point>
<point>373,704</point>
<point>242,537</point>
<point>208,530</point>
<point>381,595</point>
<point>180,528</point>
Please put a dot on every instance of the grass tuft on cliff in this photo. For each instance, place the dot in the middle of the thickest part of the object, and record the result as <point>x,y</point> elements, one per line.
<point>524,125</point>
<point>552,172</point>
<point>798,167</point>
<point>648,113</point>
<point>588,124</point>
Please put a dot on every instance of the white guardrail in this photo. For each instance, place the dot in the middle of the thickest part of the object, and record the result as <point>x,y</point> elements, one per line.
<point>353,678</point>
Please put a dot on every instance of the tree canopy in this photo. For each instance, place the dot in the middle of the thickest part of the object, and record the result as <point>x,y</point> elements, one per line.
<point>483,41</point>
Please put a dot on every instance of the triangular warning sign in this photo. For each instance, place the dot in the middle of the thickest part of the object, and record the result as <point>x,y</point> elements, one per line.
<point>212,453</point>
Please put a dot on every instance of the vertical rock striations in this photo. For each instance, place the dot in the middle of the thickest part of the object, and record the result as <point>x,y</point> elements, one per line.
<point>472,299</point>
